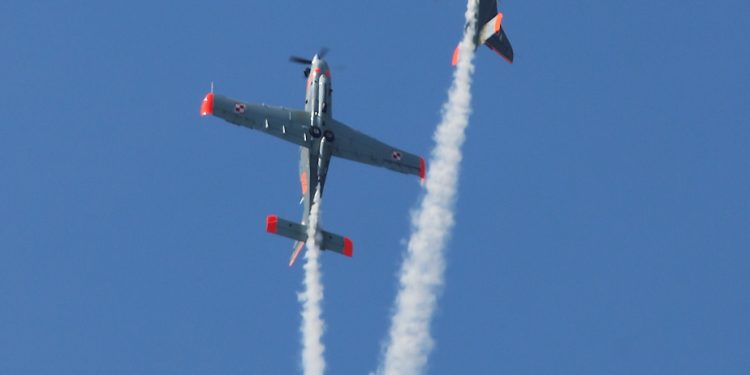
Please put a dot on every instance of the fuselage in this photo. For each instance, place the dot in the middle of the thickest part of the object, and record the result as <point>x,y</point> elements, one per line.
<point>318,88</point>
<point>314,160</point>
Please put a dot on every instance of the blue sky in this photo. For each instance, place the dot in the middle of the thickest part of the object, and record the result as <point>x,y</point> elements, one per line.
<point>602,220</point>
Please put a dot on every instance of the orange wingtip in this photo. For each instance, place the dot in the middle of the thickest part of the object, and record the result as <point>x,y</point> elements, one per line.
<point>422,170</point>
<point>348,247</point>
<point>455,57</point>
<point>498,21</point>
<point>271,222</point>
<point>207,107</point>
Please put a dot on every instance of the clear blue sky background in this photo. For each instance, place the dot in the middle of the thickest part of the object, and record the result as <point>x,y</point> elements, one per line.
<point>602,221</point>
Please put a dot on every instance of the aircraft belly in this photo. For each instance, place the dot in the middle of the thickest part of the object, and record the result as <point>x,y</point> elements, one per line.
<point>307,175</point>
<point>314,162</point>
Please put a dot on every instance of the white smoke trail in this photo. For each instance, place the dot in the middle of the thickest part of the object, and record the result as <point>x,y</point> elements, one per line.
<point>311,298</point>
<point>421,275</point>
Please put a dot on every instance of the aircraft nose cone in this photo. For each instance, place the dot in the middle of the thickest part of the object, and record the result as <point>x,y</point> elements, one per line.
<point>321,67</point>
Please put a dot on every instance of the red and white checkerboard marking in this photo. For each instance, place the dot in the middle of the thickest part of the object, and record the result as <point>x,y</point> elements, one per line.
<point>239,108</point>
<point>396,155</point>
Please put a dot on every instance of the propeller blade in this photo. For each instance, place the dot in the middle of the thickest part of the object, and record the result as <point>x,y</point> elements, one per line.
<point>300,60</point>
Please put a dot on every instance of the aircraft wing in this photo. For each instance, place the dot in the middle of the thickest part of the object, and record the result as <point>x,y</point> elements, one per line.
<point>501,45</point>
<point>356,146</point>
<point>491,31</point>
<point>487,11</point>
<point>291,125</point>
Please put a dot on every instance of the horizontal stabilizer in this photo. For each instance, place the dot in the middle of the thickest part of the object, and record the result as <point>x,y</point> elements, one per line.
<point>286,228</point>
<point>298,232</point>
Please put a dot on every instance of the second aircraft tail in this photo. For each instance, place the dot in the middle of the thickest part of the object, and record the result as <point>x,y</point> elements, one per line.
<point>493,36</point>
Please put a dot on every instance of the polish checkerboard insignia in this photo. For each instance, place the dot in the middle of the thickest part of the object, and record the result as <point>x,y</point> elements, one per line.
<point>239,108</point>
<point>396,155</point>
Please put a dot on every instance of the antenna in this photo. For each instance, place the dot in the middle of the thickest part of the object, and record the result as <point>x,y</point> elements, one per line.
<point>212,87</point>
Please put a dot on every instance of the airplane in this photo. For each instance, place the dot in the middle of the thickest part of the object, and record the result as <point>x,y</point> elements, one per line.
<point>488,30</point>
<point>320,137</point>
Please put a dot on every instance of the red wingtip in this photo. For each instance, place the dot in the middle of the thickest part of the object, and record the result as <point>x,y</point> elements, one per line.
<point>207,107</point>
<point>348,247</point>
<point>455,56</point>
<point>271,222</point>
<point>421,170</point>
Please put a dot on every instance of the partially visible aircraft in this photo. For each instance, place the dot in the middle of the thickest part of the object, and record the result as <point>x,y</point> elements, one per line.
<point>320,137</point>
<point>488,30</point>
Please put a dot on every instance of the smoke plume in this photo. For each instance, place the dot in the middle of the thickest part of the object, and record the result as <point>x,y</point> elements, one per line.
<point>311,298</point>
<point>421,276</point>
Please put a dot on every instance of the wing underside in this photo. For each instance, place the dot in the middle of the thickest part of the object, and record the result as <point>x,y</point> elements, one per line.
<point>288,124</point>
<point>292,126</point>
<point>356,146</point>
<point>487,11</point>
<point>500,44</point>
<point>489,20</point>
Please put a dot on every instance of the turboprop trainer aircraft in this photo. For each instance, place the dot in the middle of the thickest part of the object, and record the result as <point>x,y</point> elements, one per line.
<point>320,137</point>
<point>488,30</point>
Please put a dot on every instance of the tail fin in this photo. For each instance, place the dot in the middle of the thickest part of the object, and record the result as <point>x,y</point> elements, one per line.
<point>298,232</point>
<point>298,245</point>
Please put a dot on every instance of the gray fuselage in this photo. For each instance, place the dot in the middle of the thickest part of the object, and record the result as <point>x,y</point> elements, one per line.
<point>314,160</point>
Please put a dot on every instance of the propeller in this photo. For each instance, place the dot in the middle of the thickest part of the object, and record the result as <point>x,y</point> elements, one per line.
<point>301,60</point>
